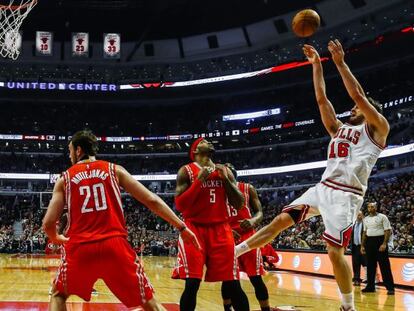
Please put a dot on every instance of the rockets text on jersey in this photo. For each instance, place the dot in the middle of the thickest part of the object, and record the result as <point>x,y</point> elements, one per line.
<point>211,203</point>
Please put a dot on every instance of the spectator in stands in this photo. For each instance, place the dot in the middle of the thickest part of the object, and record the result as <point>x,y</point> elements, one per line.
<point>358,259</point>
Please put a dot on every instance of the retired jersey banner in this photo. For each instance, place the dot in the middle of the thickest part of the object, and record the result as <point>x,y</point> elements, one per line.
<point>44,43</point>
<point>112,45</point>
<point>80,44</point>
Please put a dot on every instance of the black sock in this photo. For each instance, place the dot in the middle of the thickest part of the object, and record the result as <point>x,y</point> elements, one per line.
<point>238,297</point>
<point>227,307</point>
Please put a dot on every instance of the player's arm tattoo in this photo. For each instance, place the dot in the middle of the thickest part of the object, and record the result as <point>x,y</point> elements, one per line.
<point>256,205</point>
<point>183,182</point>
<point>234,195</point>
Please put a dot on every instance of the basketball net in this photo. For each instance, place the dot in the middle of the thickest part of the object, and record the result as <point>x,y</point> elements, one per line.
<point>11,18</point>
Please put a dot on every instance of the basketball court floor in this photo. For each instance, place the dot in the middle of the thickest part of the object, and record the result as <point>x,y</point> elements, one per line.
<point>25,283</point>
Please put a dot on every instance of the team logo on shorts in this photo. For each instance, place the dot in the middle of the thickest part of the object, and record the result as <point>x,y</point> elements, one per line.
<point>296,261</point>
<point>317,263</point>
<point>408,272</point>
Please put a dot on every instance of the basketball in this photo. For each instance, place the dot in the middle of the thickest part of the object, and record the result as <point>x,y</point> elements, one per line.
<point>305,23</point>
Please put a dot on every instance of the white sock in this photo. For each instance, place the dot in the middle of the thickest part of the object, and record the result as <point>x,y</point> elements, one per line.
<point>242,248</point>
<point>348,300</point>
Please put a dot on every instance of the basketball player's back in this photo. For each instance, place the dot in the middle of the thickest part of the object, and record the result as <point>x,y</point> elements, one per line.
<point>93,199</point>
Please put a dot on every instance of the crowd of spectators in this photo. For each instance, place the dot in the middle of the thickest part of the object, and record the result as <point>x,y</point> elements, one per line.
<point>20,219</point>
<point>35,160</point>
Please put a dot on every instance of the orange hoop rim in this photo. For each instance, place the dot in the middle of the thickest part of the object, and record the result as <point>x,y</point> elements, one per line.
<point>18,7</point>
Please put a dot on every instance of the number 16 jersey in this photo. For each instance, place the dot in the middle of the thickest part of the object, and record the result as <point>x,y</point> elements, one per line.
<point>352,153</point>
<point>93,200</point>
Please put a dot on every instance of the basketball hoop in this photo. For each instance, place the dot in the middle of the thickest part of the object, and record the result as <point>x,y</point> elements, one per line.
<point>11,18</point>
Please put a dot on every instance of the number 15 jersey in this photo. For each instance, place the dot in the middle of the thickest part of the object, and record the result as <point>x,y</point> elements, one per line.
<point>93,200</point>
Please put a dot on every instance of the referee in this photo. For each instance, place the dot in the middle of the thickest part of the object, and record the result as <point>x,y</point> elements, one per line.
<point>377,231</point>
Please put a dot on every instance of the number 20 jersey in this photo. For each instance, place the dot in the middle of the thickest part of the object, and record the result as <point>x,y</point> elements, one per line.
<point>352,154</point>
<point>93,200</point>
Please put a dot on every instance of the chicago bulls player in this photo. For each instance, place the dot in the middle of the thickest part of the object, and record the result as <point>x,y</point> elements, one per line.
<point>202,192</point>
<point>242,223</point>
<point>95,245</point>
<point>352,153</point>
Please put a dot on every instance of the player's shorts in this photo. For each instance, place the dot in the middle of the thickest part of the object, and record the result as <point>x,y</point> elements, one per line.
<point>338,208</point>
<point>251,262</point>
<point>217,254</point>
<point>111,260</point>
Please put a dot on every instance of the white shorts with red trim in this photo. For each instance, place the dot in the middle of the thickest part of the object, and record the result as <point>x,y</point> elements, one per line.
<point>338,208</point>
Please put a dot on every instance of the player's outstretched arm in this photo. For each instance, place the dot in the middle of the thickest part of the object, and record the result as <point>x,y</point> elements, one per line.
<point>375,119</point>
<point>53,213</point>
<point>235,197</point>
<point>327,111</point>
<point>154,203</point>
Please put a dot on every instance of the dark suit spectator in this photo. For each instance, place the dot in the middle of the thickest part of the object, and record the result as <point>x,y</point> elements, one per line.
<point>358,259</point>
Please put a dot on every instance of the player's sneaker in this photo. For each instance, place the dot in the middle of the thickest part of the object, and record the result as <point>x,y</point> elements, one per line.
<point>342,308</point>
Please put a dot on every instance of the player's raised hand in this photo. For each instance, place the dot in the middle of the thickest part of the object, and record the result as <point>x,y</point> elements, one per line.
<point>311,54</point>
<point>188,236</point>
<point>223,171</point>
<point>204,173</point>
<point>246,224</point>
<point>337,52</point>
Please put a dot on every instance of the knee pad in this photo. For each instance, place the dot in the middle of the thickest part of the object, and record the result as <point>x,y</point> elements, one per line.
<point>259,288</point>
<point>192,286</point>
<point>225,291</point>
<point>295,214</point>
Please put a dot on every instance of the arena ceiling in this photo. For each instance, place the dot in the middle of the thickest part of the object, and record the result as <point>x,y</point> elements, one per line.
<point>152,19</point>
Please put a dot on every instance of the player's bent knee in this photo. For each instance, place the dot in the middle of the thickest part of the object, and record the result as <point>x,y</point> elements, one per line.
<point>151,305</point>
<point>295,215</point>
<point>58,295</point>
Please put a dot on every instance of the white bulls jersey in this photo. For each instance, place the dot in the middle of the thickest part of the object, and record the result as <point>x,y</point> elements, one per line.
<point>352,153</point>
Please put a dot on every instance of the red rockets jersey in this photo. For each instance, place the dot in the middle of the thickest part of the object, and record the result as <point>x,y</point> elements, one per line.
<point>93,199</point>
<point>244,212</point>
<point>211,203</point>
